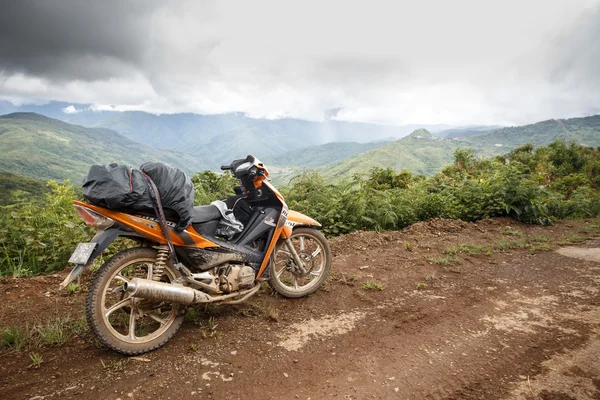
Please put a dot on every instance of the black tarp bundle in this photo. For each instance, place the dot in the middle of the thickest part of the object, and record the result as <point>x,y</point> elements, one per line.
<point>118,187</point>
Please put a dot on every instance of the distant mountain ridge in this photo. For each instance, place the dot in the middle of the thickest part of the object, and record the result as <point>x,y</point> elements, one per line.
<point>467,131</point>
<point>420,152</point>
<point>316,156</point>
<point>426,154</point>
<point>215,139</point>
<point>584,130</point>
<point>44,148</point>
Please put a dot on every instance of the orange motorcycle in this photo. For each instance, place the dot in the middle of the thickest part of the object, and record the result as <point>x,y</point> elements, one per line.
<point>136,301</point>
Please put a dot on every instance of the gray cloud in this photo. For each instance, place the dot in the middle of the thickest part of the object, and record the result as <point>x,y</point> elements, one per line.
<point>457,62</point>
<point>66,39</point>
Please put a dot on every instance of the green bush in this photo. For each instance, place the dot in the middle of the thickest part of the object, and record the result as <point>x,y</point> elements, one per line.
<point>536,186</point>
<point>36,239</point>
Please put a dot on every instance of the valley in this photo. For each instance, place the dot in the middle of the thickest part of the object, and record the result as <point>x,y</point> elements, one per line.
<point>35,146</point>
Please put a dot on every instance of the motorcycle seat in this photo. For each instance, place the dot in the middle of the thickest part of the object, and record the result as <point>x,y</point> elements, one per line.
<point>205,214</point>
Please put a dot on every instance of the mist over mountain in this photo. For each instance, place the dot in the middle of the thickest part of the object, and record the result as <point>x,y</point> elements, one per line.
<point>219,138</point>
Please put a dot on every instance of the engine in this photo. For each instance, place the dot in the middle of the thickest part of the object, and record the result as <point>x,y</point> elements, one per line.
<point>236,277</point>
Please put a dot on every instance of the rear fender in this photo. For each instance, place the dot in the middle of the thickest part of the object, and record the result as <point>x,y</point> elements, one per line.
<point>103,239</point>
<point>294,219</point>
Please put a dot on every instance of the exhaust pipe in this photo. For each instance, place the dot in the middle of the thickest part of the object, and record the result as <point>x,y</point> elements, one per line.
<point>160,291</point>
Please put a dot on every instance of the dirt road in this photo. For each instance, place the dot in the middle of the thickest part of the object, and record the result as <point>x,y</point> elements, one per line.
<point>513,313</point>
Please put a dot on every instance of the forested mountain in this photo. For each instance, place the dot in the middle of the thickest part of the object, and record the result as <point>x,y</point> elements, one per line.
<point>316,156</point>
<point>215,139</point>
<point>21,189</point>
<point>219,138</point>
<point>467,131</point>
<point>45,148</point>
<point>584,131</point>
<point>423,153</point>
<point>420,152</point>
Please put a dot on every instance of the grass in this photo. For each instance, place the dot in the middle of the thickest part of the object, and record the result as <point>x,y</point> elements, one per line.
<point>571,239</point>
<point>590,228</point>
<point>512,232</point>
<point>470,249</point>
<point>209,330</point>
<point>15,338</point>
<point>114,365</point>
<point>343,279</point>
<point>540,247</point>
<point>536,244</point>
<point>444,260</point>
<point>36,360</point>
<point>409,246</point>
<point>192,315</point>
<point>53,332</point>
<point>255,309</point>
<point>73,288</point>
<point>505,245</point>
<point>538,238</point>
<point>373,285</point>
<point>421,286</point>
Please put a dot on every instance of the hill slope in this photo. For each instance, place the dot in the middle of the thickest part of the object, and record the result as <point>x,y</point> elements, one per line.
<point>467,131</point>
<point>44,148</point>
<point>423,153</point>
<point>316,156</point>
<point>419,152</point>
<point>584,130</point>
<point>18,189</point>
<point>220,138</point>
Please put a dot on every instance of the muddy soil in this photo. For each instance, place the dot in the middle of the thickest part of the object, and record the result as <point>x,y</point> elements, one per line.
<point>513,315</point>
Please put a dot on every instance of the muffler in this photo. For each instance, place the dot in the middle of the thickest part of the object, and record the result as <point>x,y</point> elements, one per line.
<point>160,291</point>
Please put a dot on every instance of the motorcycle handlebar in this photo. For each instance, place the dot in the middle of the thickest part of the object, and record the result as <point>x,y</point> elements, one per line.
<point>225,167</point>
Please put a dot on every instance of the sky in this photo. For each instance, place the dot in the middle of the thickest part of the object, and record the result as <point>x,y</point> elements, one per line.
<point>460,62</point>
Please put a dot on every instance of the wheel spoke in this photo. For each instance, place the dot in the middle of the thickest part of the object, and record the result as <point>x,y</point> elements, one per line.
<point>278,273</point>
<point>117,306</point>
<point>301,243</point>
<point>121,278</point>
<point>118,289</point>
<point>132,323</point>
<point>316,252</point>
<point>296,283</point>
<point>157,319</point>
<point>150,271</point>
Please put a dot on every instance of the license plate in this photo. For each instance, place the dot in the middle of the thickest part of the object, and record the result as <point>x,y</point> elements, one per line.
<point>82,253</point>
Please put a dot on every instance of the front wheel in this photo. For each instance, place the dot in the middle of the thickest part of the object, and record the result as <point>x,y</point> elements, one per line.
<point>313,249</point>
<point>124,323</point>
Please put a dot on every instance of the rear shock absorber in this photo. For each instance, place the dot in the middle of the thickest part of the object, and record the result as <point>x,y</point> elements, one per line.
<point>161,262</point>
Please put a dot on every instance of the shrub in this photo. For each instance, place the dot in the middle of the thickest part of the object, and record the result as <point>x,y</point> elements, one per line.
<point>37,239</point>
<point>535,186</point>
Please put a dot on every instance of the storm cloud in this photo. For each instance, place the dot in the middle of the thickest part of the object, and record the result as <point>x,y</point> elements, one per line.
<point>461,62</point>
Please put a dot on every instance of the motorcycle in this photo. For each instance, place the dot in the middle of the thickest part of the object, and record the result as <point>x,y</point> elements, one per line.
<point>137,300</point>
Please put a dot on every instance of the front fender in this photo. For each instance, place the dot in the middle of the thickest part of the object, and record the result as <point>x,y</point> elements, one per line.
<point>294,218</point>
<point>103,239</point>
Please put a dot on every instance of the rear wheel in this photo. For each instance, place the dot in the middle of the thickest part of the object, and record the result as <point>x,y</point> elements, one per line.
<point>313,249</point>
<point>124,323</point>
